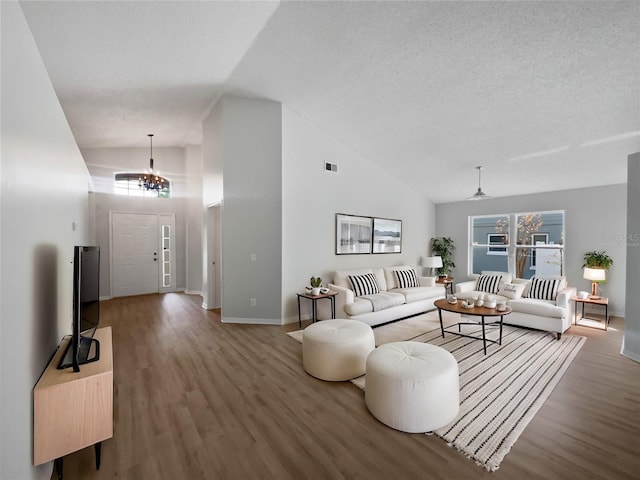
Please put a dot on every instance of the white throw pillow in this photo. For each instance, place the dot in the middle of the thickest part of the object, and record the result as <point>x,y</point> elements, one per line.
<point>512,291</point>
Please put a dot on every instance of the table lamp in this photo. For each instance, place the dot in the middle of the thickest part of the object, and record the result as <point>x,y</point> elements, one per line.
<point>595,275</point>
<point>432,263</point>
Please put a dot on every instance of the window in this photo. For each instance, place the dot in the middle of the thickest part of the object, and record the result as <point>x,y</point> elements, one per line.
<point>497,239</point>
<point>166,256</point>
<point>538,247</point>
<point>129,184</point>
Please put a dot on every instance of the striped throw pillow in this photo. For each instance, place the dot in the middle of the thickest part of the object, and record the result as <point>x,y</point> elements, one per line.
<point>543,289</point>
<point>406,278</point>
<point>488,283</point>
<point>364,284</point>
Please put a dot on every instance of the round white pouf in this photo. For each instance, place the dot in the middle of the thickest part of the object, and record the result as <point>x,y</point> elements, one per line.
<point>412,386</point>
<point>337,349</point>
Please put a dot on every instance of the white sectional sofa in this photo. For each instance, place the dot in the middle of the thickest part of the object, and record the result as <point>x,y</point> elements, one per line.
<point>543,305</point>
<point>391,302</point>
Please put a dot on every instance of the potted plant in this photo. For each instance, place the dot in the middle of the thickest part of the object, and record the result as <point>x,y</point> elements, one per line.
<point>443,247</point>
<point>596,261</point>
<point>316,283</point>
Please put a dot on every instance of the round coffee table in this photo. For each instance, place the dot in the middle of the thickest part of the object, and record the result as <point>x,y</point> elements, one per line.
<point>482,312</point>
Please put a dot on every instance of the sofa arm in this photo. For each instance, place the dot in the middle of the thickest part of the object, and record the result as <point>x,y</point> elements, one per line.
<point>564,297</point>
<point>465,287</point>
<point>427,281</point>
<point>344,297</point>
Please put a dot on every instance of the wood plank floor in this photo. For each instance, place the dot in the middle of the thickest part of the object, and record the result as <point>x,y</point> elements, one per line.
<point>198,399</point>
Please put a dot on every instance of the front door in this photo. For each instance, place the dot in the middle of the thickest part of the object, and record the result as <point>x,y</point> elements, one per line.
<point>135,256</point>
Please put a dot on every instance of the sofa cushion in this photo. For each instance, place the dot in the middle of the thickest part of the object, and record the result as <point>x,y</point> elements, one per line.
<point>406,278</point>
<point>512,291</point>
<point>543,288</point>
<point>488,283</point>
<point>364,284</point>
<point>542,308</point>
<point>419,293</point>
<point>384,300</point>
<point>358,307</point>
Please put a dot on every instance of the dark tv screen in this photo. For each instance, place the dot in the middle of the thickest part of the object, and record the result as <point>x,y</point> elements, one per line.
<point>83,348</point>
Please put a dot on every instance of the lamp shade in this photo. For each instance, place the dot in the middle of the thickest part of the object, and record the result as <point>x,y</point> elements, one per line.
<point>432,262</point>
<point>594,274</point>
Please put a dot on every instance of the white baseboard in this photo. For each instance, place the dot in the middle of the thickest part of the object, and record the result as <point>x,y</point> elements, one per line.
<point>254,321</point>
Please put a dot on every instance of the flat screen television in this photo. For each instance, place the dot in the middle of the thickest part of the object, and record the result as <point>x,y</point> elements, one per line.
<point>83,348</point>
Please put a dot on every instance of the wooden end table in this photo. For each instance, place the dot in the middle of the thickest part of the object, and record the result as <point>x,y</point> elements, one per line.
<point>482,312</point>
<point>331,295</point>
<point>447,282</point>
<point>603,301</point>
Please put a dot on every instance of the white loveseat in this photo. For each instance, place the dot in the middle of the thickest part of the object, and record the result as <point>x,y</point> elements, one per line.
<point>397,302</point>
<point>553,314</point>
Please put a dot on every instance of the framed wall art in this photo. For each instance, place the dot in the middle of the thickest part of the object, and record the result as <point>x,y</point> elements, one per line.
<point>387,235</point>
<point>353,234</point>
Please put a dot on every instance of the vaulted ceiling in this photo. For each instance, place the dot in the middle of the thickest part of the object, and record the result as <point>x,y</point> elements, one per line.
<point>544,95</point>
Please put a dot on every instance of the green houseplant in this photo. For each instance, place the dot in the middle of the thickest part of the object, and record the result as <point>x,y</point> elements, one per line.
<point>444,247</point>
<point>316,283</point>
<point>595,259</point>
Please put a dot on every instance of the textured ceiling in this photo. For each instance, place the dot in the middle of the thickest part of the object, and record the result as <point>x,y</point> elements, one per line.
<point>545,95</point>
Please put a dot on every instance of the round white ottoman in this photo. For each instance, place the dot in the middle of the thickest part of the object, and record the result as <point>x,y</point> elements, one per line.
<point>412,386</point>
<point>336,349</point>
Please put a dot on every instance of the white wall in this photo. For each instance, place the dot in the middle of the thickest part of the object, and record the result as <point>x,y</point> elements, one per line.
<point>595,219</point>
<point>245,139</point>
<point>39,205</point>
<point>104,163</point>
<point>193,218</point>
<point>312,196</point>
<point>212,171</point>
<point>631,343</point>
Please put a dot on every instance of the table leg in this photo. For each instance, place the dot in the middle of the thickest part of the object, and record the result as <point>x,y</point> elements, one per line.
<point>441,325</point>
<point>98,448</point>
<point>333,306</point>
<point>575,313</point>
<point>57,464</point>
<point>299,317</point>
<point>606,316</point>
<point>484,337</point>
<point>501,317</point>
<point>313,310</point>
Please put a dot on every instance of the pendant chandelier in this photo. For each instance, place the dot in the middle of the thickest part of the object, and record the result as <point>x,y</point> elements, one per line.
<point>149,181</point>
<point>479,195</point>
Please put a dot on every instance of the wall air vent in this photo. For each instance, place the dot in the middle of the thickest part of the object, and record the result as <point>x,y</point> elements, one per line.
<point>331,167</point>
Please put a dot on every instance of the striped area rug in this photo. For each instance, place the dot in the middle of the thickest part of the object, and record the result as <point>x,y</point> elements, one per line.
<point>499,392</point>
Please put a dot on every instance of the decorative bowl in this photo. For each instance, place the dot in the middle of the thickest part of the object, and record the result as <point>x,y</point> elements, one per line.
<point>467,305</point>
<point>490,304</point>
<point>479,303</point>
